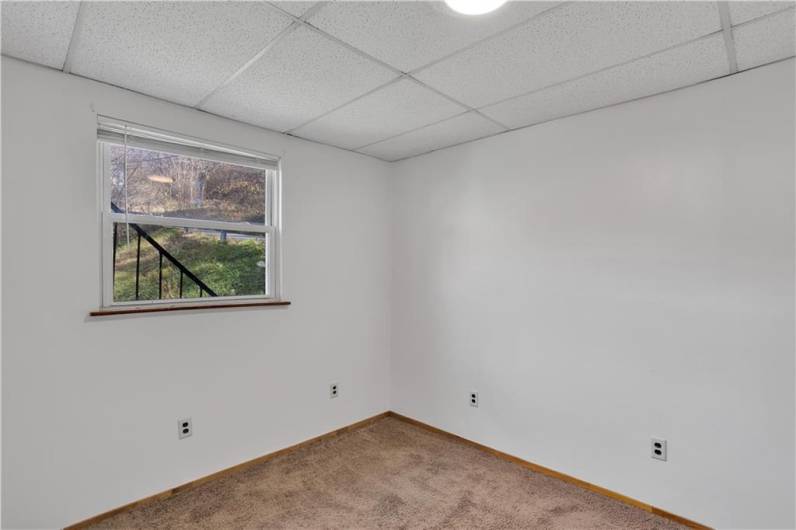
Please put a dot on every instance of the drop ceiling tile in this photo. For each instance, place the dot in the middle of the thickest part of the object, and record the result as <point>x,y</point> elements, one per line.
<point>452,131</point>
<point>408,35</point>
<point>675,68</point>
<point>743,11</point>
<point>394,109</point>
<point>766,40</point>
<point>38,32</point>
<point>296,8</point>
<point>578,38</point>
<point>178,51</point>
<point>303,76</point>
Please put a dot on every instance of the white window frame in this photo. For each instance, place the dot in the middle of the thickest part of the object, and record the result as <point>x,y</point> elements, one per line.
<point>110,131</point>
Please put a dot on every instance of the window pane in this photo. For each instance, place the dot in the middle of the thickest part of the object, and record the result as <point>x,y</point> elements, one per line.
<point>203,263</point>
<point>186,187</point>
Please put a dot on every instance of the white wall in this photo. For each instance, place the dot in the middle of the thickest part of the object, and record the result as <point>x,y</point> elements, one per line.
<point>599,280</point>
<point>607,278</point>
<point>90,406</point>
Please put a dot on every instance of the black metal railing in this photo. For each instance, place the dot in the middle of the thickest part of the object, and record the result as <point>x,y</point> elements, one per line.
<point>162,252</point>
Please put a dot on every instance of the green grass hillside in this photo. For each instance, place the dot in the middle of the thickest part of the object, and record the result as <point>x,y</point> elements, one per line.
<point>229,267</point>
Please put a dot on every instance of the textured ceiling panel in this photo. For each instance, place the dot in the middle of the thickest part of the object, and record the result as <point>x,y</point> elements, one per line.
<point>529,62</point>
<point>38,32</point>
<point>453,131</point>
<point>743,11</point>
<point>766,40</point>
<point>297,8</point>
<point>301,77</point>
<point>678,67</point>
<point>565,43</point>
<point>178,51</point>
<point>408,35</point>
<point>397,108</point>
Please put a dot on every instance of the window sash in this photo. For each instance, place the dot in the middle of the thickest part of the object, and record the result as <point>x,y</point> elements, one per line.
<point>270,228</point>
<point>114,132</point>
<point>108,291</point>
<point>187,222</point>
<point>107,260</point>
<point>270,205</point>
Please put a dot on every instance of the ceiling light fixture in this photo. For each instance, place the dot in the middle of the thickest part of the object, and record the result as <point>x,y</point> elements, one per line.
<point>474,7</point>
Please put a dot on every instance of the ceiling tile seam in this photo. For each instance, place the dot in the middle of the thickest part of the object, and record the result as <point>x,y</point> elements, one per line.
<point>439,92</point>
<point>446,147</point>
<point>729,41</point>
<point>453,100</point>
<point>545,121</point>
<point>400,73</point>
<point>591,110</point>
<point>425,152</point>
<point>620,103</point>
<point>352,48</point>
<point>490,118</point>
<point>349,102</point>
<point>492,36</point>
<point>34,63</point>
<point>405,75</point>
<point>307,14</point>
<point>408,75</point>
<point>204,111</point>
<point>415,129</point>
<point>528,126</point>
<point>591,73</point>
<point>767,15</point>
<point>411,156</point>
<point>366,55</point>
<point>601,70</point>
<point>295,23</point>
<point>596,108</point>
<point>304,139</point>
<point>281,35</point>
<point>73,39</point>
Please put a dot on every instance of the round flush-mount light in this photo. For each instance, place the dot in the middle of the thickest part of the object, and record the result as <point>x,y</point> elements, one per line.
<point>474,7</point>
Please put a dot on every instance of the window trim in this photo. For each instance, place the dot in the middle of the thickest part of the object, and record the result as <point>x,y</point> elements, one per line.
<point>193,147</point>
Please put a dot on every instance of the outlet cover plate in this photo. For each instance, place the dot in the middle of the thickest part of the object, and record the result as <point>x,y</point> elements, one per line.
<point>658,449</point>
<point>184,428</point>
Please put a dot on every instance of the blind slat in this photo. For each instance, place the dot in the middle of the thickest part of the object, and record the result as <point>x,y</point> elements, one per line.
<point>137,136</point>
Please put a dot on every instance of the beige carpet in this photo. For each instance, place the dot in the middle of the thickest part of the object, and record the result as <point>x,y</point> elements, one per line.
<point>387,475</point>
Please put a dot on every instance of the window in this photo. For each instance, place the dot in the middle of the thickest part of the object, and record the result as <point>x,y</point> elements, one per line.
<point>184,220</point>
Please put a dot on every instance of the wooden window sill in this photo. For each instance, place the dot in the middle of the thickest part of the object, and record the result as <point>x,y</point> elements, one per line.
<point>121,310</point>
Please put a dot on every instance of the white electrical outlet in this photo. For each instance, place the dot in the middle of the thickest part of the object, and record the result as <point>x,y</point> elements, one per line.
<point>658,449</point>
<point>474,399</point>
<point>334,390</point>
<point>184,428</point>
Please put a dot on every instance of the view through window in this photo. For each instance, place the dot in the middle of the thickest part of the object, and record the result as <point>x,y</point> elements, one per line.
<point>184,222</point>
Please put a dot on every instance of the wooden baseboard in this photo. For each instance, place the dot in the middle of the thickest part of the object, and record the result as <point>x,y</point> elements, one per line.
<point>552,473</point>
<point>360,424</point>
<point>224,472</point>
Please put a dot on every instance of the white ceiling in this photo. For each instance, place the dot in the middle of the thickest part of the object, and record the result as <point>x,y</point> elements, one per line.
<point>398,79</point>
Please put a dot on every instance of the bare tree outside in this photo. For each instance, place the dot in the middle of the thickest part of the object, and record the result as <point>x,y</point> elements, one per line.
<point>230,263</point>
